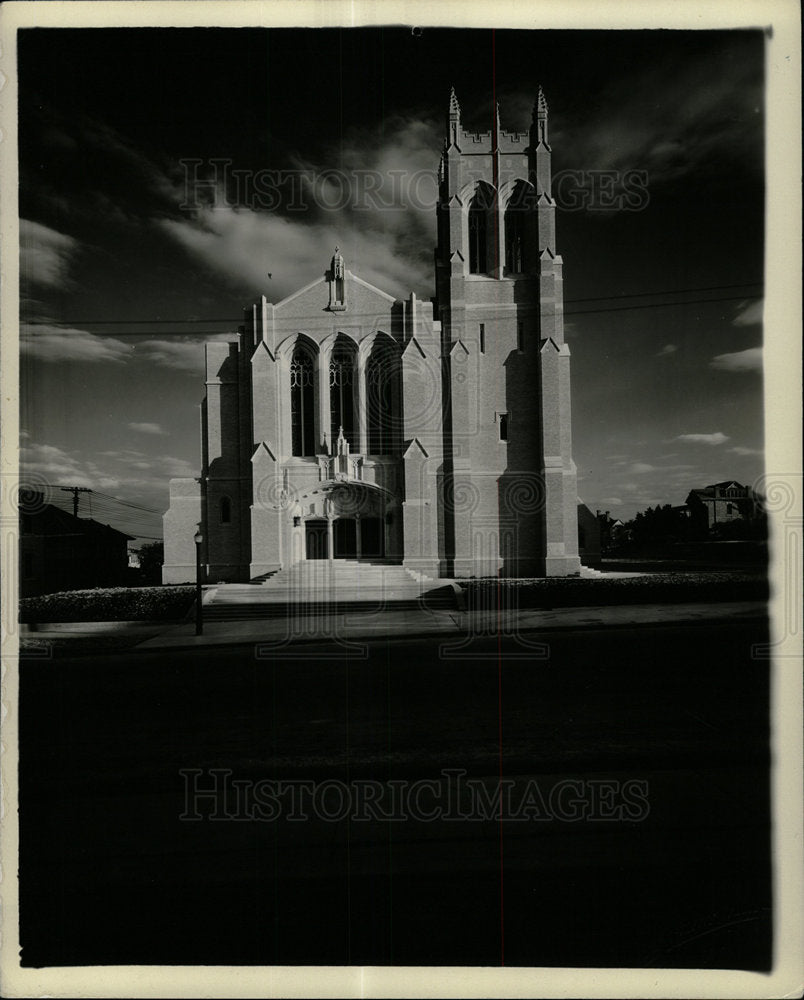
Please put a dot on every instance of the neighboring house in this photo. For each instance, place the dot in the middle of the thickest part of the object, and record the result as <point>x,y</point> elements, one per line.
<point>133,558</point>
<point>347,423</point>
<point>722,503</point>
<point>59,551</point>
<point>605,526</point>
<point>589,535</point>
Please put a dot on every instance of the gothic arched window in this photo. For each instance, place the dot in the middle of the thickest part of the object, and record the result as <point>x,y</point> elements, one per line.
<point>515,215</point>
<point>302,402</point>
<point>342,394</point>
<point>383,395</point>
<point>478,238</point>
<point>514,241</point>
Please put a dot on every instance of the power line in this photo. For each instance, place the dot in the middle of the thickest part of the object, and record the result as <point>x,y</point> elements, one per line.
<point>126,503</point>
<point>104,500</point>
<point>677,291</point>
<point>651,305</point>
<point>75,490</point>
<point>596,298</point>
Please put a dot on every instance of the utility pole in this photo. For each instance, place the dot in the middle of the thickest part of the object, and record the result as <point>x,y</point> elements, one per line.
<point>75,490</point>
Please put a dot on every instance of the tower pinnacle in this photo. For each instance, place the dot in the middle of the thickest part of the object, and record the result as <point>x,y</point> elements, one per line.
<point>540,107</point>
<point>538,129</point>
<point>454,107</point>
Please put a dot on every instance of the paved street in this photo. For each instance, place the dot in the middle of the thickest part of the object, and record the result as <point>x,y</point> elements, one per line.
<point>673,719</point>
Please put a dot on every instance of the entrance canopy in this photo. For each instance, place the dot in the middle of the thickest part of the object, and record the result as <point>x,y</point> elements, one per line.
<point>344,498</point>
<point>344,520</point>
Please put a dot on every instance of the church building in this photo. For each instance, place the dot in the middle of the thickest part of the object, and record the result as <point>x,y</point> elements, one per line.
<point>345,423</point>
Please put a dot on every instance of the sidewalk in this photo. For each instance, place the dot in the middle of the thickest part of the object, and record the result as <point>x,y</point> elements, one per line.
<point>412,624</point>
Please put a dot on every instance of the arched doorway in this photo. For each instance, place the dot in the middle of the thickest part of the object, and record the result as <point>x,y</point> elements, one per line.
<point>316,544</point>
<point>354,521</point>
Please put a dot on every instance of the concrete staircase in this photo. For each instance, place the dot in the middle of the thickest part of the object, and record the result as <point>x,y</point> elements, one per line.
<point>323,587</point>
<point>589,573</point>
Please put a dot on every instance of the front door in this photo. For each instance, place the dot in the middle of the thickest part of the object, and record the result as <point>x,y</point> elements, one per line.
<point>315,533</point>
<point>345,537</point>
<point>372,537</point>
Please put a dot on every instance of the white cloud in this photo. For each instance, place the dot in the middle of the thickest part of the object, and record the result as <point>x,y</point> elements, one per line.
<point>738,450</point>
<point>176,468</point>
<point>749,360</point>
<point>245,245</point>
<point>378,207</point>
<point>711,439</point>
<point>667,350</point>
<point>126,474</point>
<point>186,355</point>
<point>639,467</point>
<point>612,501</point>
<point>59,467</point>
<point>750,314</point>
<point>707,105</point>
<point>55,343</point>
<point>45,255</point>
<point>147,428</point>
<point>49,342</point>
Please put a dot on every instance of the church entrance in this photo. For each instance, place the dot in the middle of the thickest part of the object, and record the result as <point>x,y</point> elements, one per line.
<point>372,538</point>
<point>315,533</point>
<point>345,538</point>
<point>351,539</point>
<point>345,521</point>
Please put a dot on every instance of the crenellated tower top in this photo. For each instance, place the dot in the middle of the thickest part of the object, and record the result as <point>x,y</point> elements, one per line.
<point>496,215</point>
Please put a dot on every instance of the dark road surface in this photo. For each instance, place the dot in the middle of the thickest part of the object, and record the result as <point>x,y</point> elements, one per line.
<point>110,874</point>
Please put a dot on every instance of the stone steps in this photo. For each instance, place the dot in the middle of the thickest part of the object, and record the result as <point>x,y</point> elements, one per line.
<point>311,609</point>
<point>322,587</point>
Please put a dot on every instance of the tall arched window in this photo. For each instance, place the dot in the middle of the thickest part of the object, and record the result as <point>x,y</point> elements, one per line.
<point>226,510</point>
<point>442,230</point>
<point>478,238</point>
<point>514,241</point>
<point>515,216</point>
<point>302,402</point>
<point>342,393</point>
<point>383,374</point>
<point>479,228</point>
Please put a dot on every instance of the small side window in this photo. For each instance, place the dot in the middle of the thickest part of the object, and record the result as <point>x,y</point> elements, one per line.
<point>226,510</point>
<point>502,424</point>
<point>482,338</point>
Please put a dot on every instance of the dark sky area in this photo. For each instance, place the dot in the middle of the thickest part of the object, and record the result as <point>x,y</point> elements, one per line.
<point>664,303</point>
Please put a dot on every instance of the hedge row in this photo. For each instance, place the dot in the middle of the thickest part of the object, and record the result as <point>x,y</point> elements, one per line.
<point>654,588</point>
<point>121,604</point>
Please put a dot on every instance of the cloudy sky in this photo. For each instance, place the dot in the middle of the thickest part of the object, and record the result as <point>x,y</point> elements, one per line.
<point>127,266</point>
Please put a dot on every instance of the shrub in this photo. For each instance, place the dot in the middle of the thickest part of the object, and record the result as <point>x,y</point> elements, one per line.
<point>126,604</point>
<point>654,588</point>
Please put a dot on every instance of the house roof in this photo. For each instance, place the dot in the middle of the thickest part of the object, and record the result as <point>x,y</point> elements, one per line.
<point>53,520</point>
<point>708,492</point>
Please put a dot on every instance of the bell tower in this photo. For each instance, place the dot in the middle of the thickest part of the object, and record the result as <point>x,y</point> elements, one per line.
<point>509,481</point>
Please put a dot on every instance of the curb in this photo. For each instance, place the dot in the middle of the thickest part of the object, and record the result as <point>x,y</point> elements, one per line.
<point>457,634</point>
<point>110,627</point>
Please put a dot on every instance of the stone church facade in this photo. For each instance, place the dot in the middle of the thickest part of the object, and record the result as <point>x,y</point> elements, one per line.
<point>345,423</point>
